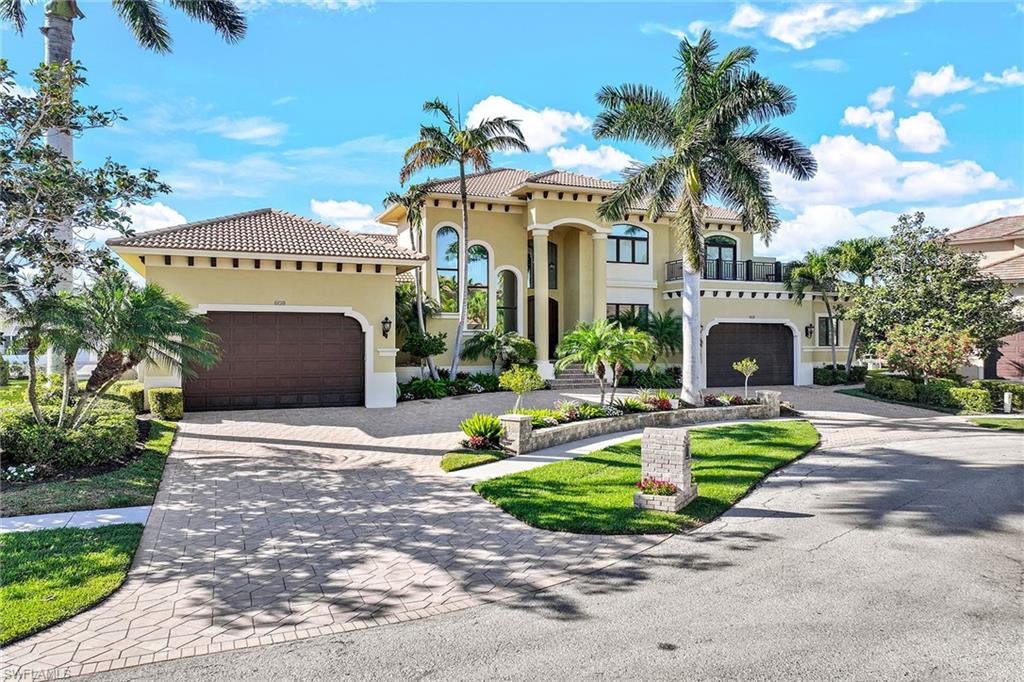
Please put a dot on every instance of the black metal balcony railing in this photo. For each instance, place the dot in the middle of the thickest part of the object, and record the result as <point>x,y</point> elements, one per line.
<point>733,270</point>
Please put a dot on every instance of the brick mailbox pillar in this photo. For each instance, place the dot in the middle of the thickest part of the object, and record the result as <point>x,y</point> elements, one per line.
<point>515,432</point>
<point>772,400</point>
<point>665,455</point>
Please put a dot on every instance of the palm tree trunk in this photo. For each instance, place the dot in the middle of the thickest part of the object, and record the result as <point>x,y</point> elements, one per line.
<point>65,398</point>
<point>33,399</point>
<point>463,271</point>
<point>58,38</point>
<point>851,354</point>
<point>690,392</point>
<point>417,242</point>
<point>831,330</point>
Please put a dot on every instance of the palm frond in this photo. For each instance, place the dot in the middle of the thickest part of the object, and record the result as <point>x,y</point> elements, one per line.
<point>782,152</point>
<point>637,113</point>
<point>438,106</point>
<point>12,12</point>
<point>146,23</point>
<point>224,15</point>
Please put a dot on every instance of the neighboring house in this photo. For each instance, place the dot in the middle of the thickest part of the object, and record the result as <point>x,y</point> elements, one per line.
<point>303,310</point>
<point>596,269</point>
<point>1000,244</point>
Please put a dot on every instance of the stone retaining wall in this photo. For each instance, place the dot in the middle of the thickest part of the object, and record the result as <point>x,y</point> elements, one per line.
<point>519,437</point>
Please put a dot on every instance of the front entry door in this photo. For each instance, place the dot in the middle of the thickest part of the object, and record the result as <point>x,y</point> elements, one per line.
<point>553,335</point>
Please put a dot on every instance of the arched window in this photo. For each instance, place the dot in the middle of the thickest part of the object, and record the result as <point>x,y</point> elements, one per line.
<point>719,247</point>
<point>628,244</point>
<point>447,258</point>
<point>478,288</point>
<point>508,300</point>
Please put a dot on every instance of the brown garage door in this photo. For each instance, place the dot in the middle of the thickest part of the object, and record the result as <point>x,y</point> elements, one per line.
<point>281,360</point>
<point>770,344</point>
<point>1007,363</point>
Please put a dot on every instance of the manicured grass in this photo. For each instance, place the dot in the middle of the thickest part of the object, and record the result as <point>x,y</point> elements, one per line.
<point>50,575</point>
<point>861,393</point>
<point>463,459</point>
<point>13,393</point>
<point>999,424</point>
<point>130,486</point>
<point>594,493</point>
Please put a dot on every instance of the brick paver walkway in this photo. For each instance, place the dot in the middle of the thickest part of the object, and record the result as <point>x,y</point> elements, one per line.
<point>276,525</point>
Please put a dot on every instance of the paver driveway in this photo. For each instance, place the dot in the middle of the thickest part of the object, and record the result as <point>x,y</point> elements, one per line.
<point>276,525</point>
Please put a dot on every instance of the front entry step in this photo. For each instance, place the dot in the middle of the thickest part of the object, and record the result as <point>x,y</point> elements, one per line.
<point>574,377</point>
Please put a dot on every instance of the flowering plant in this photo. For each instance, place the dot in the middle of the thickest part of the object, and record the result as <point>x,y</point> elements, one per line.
<point>18,473</point>
<point>477,443</point>
<point>655,486</point>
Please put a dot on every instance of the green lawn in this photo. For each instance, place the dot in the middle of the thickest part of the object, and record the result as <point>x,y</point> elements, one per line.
<point>999,424</point>
<point>13,393</point>
<point>50,575</point>
<point>130,486</point>
<point>594,493</point>
<point>463,459</point>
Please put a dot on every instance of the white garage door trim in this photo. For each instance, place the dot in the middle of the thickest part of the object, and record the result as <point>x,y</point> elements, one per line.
<point>379,387</point>
<point>747,320</point>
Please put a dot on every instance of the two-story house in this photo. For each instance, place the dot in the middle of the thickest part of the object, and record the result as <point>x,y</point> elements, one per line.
<point>541,260</point>
<point>1000,245</point>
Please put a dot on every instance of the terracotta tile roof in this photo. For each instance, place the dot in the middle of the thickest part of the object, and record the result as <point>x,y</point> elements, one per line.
<point>1006,227</point>
<point>268,230</point>
<point>500,182</point>
<point>389,239</point>
<point>409,276</point>
<point>1009,269</point>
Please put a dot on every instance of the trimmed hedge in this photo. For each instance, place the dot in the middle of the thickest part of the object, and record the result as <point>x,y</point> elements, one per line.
<point>826,376</point>
<point>971,400</point>
<point>167,403</point>
<point>996,388</point>
<point>107,435</point>
<point>135,392</point>
<point>937,392</point>
<point>892,388</point>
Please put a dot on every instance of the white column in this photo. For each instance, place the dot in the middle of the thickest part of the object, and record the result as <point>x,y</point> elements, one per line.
<point>600,284</point>
<point>540,300</point>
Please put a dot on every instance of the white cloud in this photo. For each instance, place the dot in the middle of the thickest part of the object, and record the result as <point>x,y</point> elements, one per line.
<point>350,215</point>
<point>250,177</point>
<point>144,217</point>
<point>541,129</point>
<point>852,174</point>
<point>189,115</point>
<point>882,97</point>
<point>19,90</point>
<point>828,65</point>
<point>1009,77</point>
<point>254,129</point>
<point>942,82</point>
<point>863,117</point>
<point>287,99</point>
<point>324,5</point>
<point>605,159</point>
<point>921,133</point>
<point>821,225</point>
<point>802,26</point>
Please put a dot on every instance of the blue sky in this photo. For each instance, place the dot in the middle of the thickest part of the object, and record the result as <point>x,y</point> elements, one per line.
<point>312,110</point>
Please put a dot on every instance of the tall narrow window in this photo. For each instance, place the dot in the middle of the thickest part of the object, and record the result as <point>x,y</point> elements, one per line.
<point>508,301</point>
<point>552,266</point>
<point>825,335</point>
<point>479,285</point>
<point>628,244</point>
<point>447,255</point>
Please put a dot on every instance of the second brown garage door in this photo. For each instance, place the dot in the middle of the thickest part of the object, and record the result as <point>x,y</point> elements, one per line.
<point>281,360</point>
<point>770,344</point>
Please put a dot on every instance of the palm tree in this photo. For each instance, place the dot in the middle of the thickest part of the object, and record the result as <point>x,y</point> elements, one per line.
<point>666,332</point>
<point>132,326</point>
<point>712,139</point>
<point>858,258</point>
<point>462,145</point>
<point>412,200</point>
<point>591,345</point>
<point>494,344</point>
<point>67,331</point>
<point>628,346</point>
<point>818,272</point>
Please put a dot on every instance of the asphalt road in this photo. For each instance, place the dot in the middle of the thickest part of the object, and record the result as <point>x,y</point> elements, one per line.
<point>894,561</point>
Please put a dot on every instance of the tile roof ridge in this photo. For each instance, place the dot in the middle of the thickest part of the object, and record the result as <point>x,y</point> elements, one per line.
<point>197,223</point>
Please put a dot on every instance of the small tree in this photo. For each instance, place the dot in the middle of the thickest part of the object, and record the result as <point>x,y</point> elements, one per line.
<point>747,367</point>
<point>818,272</point>
<point>520,380</point>
<point>425,345</point>
<point>925,351</point>
<point>493,344</point>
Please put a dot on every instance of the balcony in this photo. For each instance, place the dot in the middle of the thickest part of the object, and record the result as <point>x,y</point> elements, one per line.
<point>733,270</point>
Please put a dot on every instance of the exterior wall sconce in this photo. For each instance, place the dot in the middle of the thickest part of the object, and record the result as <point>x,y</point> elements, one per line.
<point>385,326</point>
<point>808,331</point>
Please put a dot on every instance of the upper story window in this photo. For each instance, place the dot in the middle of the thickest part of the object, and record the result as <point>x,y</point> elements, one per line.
<point>447,258</point>
<point>628,244</point>
<point>478,288</point>
<point>552,266</point>
<point>720,248</point>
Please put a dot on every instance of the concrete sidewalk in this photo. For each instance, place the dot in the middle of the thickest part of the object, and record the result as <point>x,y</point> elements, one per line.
<point>81,519</point>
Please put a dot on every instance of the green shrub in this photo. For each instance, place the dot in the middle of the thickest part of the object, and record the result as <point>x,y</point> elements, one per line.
<point>647,378</point>
<point>630,405</point>
<point>543,418</point>
<point>485,426</point>
<point>971,400</point>
<point>106,436</point>
<point>996,389</point>
<point>426,388</point>
<point>891,387</point>
<point>5,372</point>
<point>936,392</point>
<point>523,352</point>
<point>167,403</point>
<point>134,391</point>
<point>488,381</point>
<point>855,375</point>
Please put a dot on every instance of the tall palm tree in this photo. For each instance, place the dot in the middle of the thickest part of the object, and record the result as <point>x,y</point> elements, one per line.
<point>858,258</point>
<point>454,143</point>
<point>711,139</point>
<point>412,200</point>
<point>818,272</point>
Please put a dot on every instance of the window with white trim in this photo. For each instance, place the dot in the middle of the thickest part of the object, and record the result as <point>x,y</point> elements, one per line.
<point>447,254</point>
<point>478,288</point>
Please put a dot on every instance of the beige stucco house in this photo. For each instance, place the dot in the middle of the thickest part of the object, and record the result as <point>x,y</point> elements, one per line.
<point>303,309</point>
<point>595,269</point>
<point>1000,245</point>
